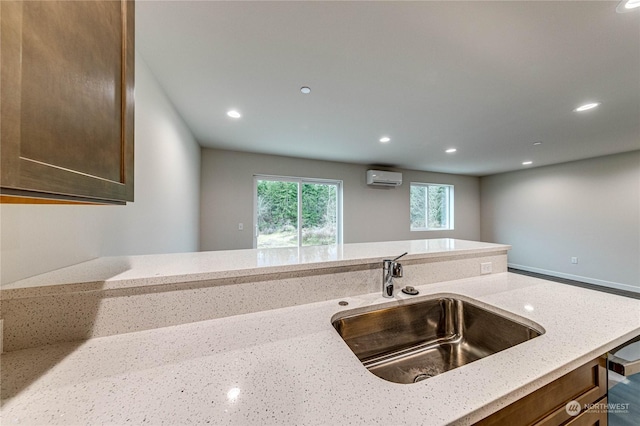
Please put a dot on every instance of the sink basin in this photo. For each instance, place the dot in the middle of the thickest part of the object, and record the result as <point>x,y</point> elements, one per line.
<point>414,341</point>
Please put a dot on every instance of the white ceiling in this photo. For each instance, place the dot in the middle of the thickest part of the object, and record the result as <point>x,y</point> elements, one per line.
<point>488,78</point>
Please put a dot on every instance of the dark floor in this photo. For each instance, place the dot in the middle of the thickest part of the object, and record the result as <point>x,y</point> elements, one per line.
<point>577,283</point>
<point>625,393</point>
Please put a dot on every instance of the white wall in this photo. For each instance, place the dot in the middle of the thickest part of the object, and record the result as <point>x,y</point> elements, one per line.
<point>589,209</point>
<point>164,217</point>
<point>369,213</point>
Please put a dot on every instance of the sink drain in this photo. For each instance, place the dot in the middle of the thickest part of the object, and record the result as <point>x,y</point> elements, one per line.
<point>421,377</point>
<point>425,372</point>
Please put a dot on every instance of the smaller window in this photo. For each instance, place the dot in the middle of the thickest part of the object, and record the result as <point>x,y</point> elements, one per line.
<point>431,207</point>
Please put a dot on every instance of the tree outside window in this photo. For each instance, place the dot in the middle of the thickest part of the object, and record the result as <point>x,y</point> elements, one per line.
<point>292,212</point>
<point>431,206</point>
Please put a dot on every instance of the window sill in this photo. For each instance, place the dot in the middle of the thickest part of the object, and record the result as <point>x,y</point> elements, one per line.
<point>431,229</point>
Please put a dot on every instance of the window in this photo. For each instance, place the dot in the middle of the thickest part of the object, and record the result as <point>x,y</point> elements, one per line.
<point>431,207</point>
<point>294,212</point>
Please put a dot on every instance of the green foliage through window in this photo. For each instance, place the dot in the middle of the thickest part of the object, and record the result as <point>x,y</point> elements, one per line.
<point>278,210</point>
<point>431,206</point>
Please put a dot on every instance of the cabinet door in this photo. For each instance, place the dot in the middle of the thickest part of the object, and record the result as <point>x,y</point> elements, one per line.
<point>67,100</point>
<point>546,406</point>
<point>595,416</point>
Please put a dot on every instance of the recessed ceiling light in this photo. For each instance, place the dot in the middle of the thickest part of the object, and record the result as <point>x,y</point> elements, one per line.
<point>527,163</point>
<point>306,90</point>
<point>632,4</point>
<point>385,139</point>
<point>537,143</point>
<point>233,113</point>
<point>451,150</point>
<point>627,6</point>
<point>587,107</point>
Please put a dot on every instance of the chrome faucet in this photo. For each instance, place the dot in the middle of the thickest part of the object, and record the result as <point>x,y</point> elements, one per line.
<point>390,270</point>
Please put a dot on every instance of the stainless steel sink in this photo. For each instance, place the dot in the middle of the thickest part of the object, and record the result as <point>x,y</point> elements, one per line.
<point>412,342</point>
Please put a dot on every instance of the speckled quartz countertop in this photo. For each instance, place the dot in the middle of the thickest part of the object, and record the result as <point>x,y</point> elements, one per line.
<point>146,270</point>
<point>289,366</point>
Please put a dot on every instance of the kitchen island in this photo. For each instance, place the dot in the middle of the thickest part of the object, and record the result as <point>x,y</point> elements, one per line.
<point>289,365</point>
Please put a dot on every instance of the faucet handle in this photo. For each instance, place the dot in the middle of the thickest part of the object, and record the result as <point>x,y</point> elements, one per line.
<point>403,254</point>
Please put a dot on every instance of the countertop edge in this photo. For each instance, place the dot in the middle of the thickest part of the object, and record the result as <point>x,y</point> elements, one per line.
<point>36,287</point>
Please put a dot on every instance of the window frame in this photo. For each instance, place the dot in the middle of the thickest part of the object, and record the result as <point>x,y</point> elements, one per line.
<point>450,206</point>
<point>299,181</point>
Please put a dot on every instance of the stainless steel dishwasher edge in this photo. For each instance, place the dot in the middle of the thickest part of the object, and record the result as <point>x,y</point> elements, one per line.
<point>624,384</point>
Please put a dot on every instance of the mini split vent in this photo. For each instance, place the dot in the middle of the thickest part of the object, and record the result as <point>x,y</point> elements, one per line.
<point>382,178</point>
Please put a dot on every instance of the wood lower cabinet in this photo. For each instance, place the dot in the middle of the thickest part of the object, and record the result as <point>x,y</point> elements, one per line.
<point>547,406</point>
<point>67,100</point>
<point>596,416</point>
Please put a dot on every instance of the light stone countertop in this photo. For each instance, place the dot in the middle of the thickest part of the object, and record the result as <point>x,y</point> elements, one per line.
<point>289,366</point>
<point>157,269</point>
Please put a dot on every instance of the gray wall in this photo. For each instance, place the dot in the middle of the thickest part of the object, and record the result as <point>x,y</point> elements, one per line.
<point>164,217</point>
<point>369,213</point>
<point>588,209</point>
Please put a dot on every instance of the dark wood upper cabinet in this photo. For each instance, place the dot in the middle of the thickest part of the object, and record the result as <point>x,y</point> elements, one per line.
<point>67,79</point>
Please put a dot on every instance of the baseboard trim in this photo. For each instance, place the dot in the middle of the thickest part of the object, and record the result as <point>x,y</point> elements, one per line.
<point>588,280</point>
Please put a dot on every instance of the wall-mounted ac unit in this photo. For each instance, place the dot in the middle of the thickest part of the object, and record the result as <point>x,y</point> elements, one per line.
<point>382,178</point>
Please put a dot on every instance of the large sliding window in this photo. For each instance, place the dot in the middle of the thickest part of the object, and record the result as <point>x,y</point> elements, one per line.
<point>294,212</point>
